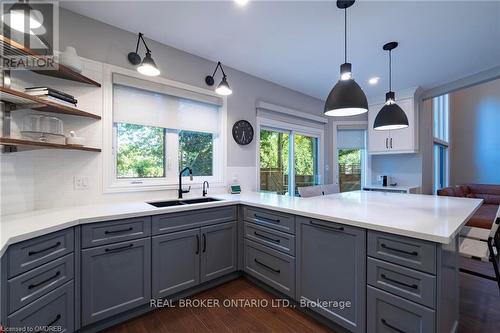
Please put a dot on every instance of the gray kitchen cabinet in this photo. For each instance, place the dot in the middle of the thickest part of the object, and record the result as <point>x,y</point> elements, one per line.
<point>219,251</point>
<point>115,278</point>
<point>331,271</point>
<point>53,312</point>
<point>387,313</point>
<point>175,262</point>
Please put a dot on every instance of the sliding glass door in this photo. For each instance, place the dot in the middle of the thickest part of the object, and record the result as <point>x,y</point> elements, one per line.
<point>274,158</point>
<point>306,168</point>
<point>351,159</point>
<point>288,160</point>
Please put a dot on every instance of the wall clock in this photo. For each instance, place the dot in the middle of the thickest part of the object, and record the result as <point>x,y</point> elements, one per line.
<point>242,132</point>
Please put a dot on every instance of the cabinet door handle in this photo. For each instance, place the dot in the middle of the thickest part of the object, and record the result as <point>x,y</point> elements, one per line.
<point>326,226</point>
<point>204,243</point>
<point>391,143</point>
<point>387,143</point>
<point>107,232</point>
<point>34,285</point>
<point>266,219</point>
<point>383,321</point>
<point>54,321</point>
<point>119,248</point>
<point>197,244</point>
<point>266,266</point>
<point>266,237</point>
<point>46,249</point>
<point>412,253</point>
<point>413,286</point>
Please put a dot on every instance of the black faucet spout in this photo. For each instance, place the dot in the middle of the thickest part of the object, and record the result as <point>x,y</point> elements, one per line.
<point>181,191</point>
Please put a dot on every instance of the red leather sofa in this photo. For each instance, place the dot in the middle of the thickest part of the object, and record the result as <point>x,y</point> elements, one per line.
<point>486,214</point>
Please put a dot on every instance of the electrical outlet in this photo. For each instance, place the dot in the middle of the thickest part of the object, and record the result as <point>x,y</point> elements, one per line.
<point>81,183</point>
<point>380,178</point>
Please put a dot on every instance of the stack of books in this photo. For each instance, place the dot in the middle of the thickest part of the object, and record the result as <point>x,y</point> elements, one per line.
<point>52,95</point>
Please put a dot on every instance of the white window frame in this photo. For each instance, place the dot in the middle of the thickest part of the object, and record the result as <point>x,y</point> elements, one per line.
<point>444,130</point>
<point>291,129</point>
<point>365,159</point>
<point>111,184</point>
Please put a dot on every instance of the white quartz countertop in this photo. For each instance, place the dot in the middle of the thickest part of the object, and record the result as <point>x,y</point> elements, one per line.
<point>432,218</point>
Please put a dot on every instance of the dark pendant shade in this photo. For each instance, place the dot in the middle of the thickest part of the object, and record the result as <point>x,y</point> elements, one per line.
<point>390,117</point>
<point>346,99</point>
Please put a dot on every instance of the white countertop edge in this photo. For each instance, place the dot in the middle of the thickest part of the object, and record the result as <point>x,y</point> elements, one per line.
<point>227,201</point>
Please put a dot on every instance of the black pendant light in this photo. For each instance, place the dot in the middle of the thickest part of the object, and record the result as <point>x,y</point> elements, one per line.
<point>391,116</point>
<point>346,98</point>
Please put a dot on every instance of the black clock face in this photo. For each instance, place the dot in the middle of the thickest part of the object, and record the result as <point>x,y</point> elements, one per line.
<point>242,132</point>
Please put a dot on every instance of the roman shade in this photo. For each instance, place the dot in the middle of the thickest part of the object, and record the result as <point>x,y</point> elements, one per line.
<point>148,103</point>
<point>350,139</point>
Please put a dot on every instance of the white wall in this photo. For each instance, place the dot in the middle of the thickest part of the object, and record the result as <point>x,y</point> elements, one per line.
<point>44,178</point>
<point>475,134</point>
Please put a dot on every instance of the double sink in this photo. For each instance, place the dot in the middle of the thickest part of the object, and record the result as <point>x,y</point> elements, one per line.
<point>170,203</point>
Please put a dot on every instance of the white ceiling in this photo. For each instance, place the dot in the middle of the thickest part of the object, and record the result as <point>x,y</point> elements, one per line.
<point>299,44</point>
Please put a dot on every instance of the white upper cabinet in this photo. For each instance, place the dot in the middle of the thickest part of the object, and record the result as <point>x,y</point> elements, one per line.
<point>399,141</point>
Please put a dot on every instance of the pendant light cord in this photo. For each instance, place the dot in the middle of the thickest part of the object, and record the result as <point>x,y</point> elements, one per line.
<point>345,35</point>
<point>390,70</point>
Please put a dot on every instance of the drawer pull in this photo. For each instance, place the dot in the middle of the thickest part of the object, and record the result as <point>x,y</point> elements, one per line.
<point>107,232</point>
<point>412,253</point>
<point>119,248</point>
<point>46,249</point>
<point>197,244</point>
<point>53,321</point>
<point>326,226</point>
<point>204,243</point>
<point>266,237</point>
<point>266,219</point>
<point>413,286</point>
<point>266,266</point>
<point>383,321</point>
<point>34,285</point>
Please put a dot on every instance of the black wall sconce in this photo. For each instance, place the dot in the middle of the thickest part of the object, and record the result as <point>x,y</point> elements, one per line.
<point>223,87</point>
<point>147,65</point>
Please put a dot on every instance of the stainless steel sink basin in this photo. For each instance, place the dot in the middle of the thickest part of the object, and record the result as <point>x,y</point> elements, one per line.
<point>170,203</point>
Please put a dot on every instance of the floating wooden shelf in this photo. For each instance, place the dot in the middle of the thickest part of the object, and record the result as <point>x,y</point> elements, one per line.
<point>62,72</point>
<point>39,144</point>
<point>26,101</point>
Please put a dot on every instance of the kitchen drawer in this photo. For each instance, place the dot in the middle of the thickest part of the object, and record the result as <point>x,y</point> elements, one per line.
<point>32,253</point>
<point>274,220</point>
<point>386,313</point>
<point>409,252</point>
<point>271,267</point>
<point>53,312</point>
<point>408,283</point>
<point>191,219</point>
<point>102,233</point>
<point>27,287</point>
<point>275,239</point>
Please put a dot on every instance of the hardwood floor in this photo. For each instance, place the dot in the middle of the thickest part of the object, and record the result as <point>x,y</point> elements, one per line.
<point>479,311</point>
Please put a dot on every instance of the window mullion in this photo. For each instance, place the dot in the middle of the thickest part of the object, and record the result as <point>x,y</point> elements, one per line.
<point>291,163</point>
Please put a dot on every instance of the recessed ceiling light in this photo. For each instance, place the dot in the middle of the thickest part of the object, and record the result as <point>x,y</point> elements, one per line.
<point>241,2</point>
<point>373,80</point>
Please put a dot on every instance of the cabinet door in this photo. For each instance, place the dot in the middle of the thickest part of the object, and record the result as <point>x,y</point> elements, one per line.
<point>378,141</point>
<point>403,139</point>
<point>331,271</point>
<point>219,251</point>
<point>115,278</point>
<point>176,262</point>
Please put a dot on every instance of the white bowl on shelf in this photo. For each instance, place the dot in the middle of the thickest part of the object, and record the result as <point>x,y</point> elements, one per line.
<point>73,140</point>
<point>70,59</point>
